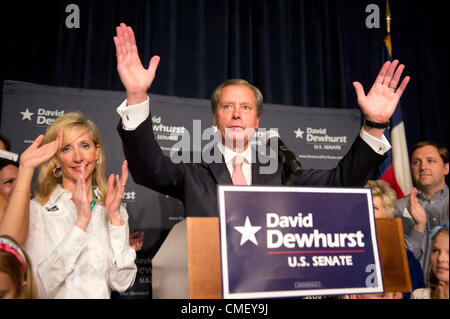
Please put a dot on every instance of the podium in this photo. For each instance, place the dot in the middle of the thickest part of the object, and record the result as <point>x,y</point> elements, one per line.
<point>394,262</point>
<point>188,265</point>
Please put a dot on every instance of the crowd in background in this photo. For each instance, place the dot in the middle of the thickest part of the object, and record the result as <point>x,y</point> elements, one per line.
<point>31,248</point>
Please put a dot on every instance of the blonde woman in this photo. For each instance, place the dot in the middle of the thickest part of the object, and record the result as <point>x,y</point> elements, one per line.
<point>384,199</point>
<point>78,237</point>
<point>385,206</point>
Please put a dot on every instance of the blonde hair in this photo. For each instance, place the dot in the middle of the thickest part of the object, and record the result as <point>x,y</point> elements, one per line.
<point>75,125</point>
<point>384,190</point>
<point>434,282</point>
<point>11,266</point>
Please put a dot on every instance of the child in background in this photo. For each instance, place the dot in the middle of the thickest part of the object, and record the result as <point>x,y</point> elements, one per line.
<point>16,278</point>
<point>439,269</point>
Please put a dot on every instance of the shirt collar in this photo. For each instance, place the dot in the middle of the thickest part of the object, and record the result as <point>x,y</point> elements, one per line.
<point>442,193</point>
<point>59,193</point>
<point>229,154</point>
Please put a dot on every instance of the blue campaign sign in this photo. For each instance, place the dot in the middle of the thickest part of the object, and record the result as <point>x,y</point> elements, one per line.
<point>297,241</point>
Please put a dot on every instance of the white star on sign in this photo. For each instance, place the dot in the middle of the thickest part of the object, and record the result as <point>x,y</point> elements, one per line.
<point>299,133</point>
<point>248,232</point>
<point>26,115</point>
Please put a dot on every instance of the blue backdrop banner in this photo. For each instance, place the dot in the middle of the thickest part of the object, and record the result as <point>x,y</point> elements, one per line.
<point>319,137</point>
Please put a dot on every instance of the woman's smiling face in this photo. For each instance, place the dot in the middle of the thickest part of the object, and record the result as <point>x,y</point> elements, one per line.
<point>80,155</point>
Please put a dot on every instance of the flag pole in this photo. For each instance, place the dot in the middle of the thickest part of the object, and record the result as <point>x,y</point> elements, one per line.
<point>395,169</point>
<point>387,39</point>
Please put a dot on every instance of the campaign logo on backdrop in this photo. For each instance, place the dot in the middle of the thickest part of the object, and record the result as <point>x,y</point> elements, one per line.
<point>164,132</point>
<point>297,241</point>
<point>320,138</point>
<point>128,197</point>
<point>41,116</point>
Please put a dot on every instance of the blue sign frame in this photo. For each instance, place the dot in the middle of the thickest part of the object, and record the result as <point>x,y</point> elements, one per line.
<point>297,241</point>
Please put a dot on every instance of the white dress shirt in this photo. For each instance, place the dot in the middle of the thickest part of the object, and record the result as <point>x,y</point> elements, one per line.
<point>229,154</point>
<point>133,115</point>
<point>71,263</point>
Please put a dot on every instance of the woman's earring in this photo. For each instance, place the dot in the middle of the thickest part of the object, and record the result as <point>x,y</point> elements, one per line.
<point>57,172</point>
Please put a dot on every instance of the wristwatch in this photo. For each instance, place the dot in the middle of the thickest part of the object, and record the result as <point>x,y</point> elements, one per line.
<point>376,125</point>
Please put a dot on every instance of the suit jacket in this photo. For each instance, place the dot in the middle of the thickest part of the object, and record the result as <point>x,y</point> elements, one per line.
<point>195,184</point>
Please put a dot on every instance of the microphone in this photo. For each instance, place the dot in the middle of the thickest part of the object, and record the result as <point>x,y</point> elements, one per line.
<point>290,164</point>
<point>270,134</point>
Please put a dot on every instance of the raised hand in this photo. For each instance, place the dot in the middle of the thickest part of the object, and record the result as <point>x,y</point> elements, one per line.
<point>417,212</point>
<point>114,195</point>
<point>134,76</point>
<point>34,155</point>
<point>81,201</point>
<point>16,219</point>
<point>380,103</point>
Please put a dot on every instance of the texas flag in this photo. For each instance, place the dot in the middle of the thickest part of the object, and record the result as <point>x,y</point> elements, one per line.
<point>395,168</point>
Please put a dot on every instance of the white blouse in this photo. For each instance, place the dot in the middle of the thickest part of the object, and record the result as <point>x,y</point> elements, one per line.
<point>421,293</point>
<point>71,263</point>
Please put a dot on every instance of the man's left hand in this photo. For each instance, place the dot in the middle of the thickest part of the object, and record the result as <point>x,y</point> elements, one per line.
<point>380,103</point>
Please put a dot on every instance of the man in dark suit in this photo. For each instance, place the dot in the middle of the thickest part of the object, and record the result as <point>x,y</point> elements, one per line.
<point>237,107</point>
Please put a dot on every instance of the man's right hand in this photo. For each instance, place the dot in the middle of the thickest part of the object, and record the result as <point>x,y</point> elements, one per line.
<point>417,212</point>
<point>135,78</point>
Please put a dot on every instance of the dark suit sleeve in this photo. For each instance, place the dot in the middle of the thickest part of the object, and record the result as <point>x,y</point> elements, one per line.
<point>147,163</point>
<point>353,170</point>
